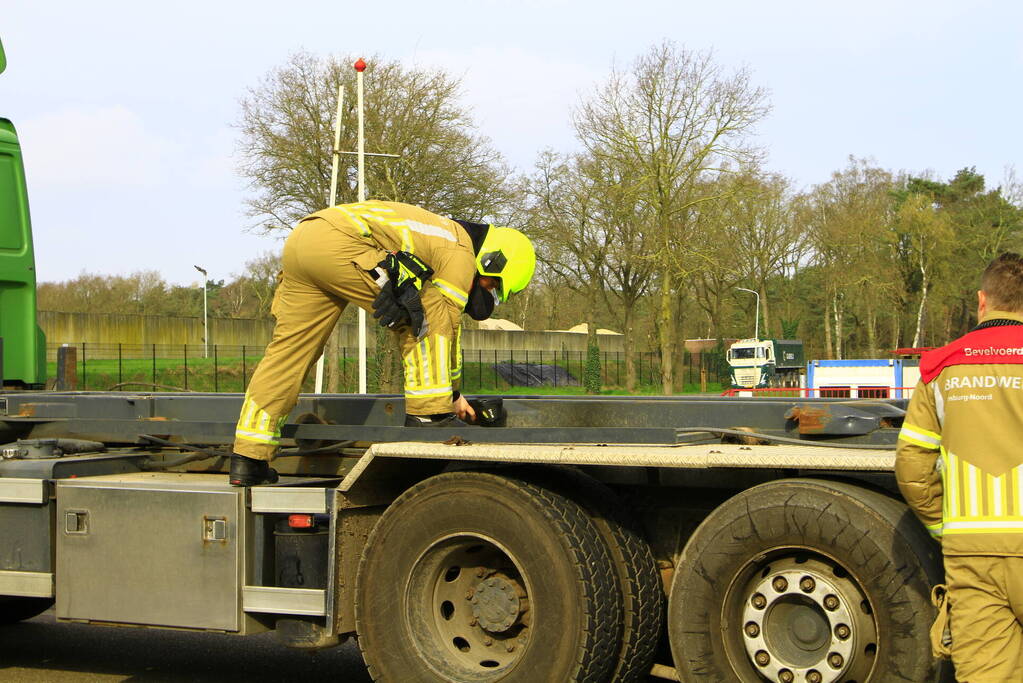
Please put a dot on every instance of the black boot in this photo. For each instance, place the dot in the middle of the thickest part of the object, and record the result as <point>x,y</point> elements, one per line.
<point>441,420</point>
<point>251,472</point>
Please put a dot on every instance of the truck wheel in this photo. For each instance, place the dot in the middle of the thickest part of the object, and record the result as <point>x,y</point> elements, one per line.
<point>15,609</point>
<point>638,578</point>
<point>805,580</point>
<point>471,576</point>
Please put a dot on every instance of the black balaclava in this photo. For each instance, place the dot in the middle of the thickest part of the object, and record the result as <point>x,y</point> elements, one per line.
<point>480,305</point>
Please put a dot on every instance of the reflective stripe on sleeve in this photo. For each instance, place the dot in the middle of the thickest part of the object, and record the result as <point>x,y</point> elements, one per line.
<point>920,437</point>
<point>935,530</point>
<point>456,295</point>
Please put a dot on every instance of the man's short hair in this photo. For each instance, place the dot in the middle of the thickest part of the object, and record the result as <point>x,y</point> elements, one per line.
<point>1002,282</point>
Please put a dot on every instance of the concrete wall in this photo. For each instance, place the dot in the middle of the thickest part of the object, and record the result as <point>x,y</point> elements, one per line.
<point>101,328</point>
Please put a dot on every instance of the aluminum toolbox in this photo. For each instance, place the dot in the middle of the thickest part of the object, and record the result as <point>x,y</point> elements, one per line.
<point>151,548</point>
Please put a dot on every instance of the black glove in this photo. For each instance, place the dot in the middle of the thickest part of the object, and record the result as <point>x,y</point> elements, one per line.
<point>398,303</point>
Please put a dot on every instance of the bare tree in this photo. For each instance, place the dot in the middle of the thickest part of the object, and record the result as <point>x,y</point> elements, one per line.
<point>675,119</point>
<point>564,220</point>
<point>286,126</point>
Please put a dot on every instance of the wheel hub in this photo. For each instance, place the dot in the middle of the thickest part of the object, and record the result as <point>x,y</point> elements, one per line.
<point>497,603</point>
<point>472,603</point>
<point>798,626</point>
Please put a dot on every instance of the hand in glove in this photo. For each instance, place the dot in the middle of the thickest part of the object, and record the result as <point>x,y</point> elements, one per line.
<point>398,303</point>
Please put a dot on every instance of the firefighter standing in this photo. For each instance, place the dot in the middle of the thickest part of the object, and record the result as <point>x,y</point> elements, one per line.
<point>416,271</point>
<point>959,465</point>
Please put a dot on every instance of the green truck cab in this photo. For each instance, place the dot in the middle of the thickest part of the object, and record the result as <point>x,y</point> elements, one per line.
<point>22,345</point>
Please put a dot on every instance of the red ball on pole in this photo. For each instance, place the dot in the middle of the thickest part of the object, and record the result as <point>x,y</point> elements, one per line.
<point>359,65</point>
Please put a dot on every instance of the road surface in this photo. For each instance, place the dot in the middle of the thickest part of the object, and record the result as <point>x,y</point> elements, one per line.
<point>42,650</point>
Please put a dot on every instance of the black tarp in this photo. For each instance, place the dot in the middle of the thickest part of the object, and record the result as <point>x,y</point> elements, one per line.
<point>535,375</point>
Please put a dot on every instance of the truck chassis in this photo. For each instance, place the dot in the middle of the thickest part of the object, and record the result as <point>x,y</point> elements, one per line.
<point>585,539</point>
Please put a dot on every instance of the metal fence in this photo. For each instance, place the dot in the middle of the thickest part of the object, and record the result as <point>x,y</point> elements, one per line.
<point>229,368</point>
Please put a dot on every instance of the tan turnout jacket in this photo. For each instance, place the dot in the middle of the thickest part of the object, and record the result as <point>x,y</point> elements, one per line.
<point>326,263</point>
<point>959,462</point>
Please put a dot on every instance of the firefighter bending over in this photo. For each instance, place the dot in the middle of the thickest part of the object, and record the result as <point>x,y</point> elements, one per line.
<point>416,271</point>
<point>959,465</point>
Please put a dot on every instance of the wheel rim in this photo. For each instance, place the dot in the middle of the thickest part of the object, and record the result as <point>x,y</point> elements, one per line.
<point>798,616</point>
<point>468,608</point>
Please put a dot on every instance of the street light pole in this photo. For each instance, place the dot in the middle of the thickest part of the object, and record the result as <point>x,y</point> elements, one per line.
<point>756,324</point>
<point>205,316</point>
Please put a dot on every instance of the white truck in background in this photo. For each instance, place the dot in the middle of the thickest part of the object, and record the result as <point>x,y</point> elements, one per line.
<point>760,363</point>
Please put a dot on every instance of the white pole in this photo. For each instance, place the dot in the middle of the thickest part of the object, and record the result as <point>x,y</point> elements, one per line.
<point>335,157</point>
<point>205,320</point>
<point>360,66</point>
<point>756,324</point>
<point>205,316</point>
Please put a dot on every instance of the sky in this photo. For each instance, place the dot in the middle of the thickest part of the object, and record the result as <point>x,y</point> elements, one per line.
<point>126,110</point>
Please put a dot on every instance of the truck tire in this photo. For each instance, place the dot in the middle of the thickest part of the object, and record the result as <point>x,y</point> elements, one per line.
<point>15,609</point>
<point>805,580</point>
<point>638,578</point>
<point>471,576</point>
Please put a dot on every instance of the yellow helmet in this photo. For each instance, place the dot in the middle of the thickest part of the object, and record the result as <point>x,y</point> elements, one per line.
<point>508,255</point>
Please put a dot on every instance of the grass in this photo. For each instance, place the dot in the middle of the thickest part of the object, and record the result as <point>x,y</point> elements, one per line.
<point>232,375</point>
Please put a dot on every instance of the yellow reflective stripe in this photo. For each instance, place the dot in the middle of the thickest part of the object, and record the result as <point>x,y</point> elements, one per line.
<point>443,361</point>
<point>424,356</point>
<point>255,424</point>
<point>429,229</point>
<point>920,437</point>
<point>973,490</point>
<point>257,437</point>
<point>429,391</point>
<point>451,292</point>
<point>935,530</point>
<point>996,495</point>
<point>1019,489</point>
<point>946,485</point>
<point>981,526</point>
<point>923,432</point>
<point>359,223</point>
<point>410,370</point>
<point>456,360</point>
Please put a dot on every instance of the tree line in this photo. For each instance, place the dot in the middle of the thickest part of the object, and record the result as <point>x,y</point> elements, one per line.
<point>661,212</point>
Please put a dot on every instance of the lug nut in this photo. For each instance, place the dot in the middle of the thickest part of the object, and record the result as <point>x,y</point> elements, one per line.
<point>510,647</point>
<point>843,631</point>
<point>807,584</point>
<point>752,629</point>
<point>762,658</point>
<point>759,601</point>
<point>480,572</point>
<point>487,640</point>
<point>786,676</point>
<point>836,660</point>
<point>813,676</point>
<point>473,621</point>
<point>469,593</point>
<point>830,602</point>
<point>780,584</point>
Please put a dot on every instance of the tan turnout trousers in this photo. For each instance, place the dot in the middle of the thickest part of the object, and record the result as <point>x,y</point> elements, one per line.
<point>986,595</point>
<point>325,266</point>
